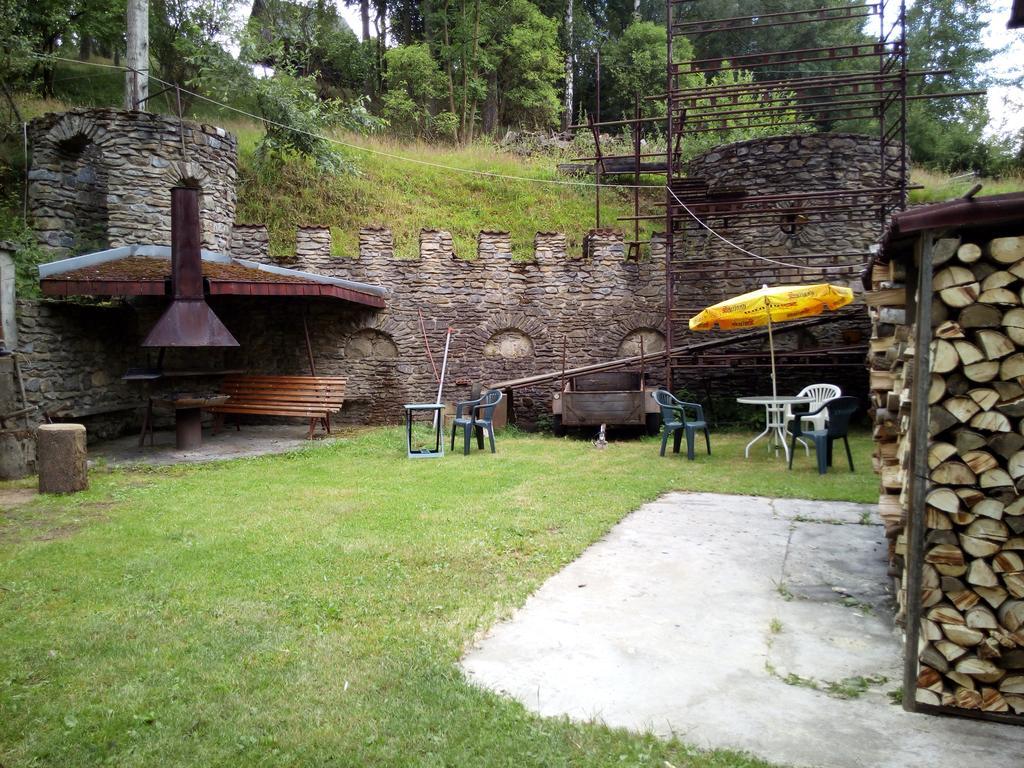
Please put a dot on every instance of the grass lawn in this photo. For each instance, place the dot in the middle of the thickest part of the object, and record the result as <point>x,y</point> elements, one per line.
<point>309,609</point>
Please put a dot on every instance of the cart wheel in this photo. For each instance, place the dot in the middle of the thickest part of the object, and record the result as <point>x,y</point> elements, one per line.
<point>556,426</point>
<point>653,424</point>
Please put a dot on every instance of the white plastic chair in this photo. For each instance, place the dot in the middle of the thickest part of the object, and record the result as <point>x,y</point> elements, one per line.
<point>819,394</point>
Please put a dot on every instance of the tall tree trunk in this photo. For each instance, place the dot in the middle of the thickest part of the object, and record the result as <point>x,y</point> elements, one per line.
<point>381,23</point>
<point>490,113</point>
<point>85,48</point>
<point>569,68</point>
<point>471,124</point>
<point>448,60</point>
<point>464,99</point>
<point>137,77</point>
<point>364,17</point>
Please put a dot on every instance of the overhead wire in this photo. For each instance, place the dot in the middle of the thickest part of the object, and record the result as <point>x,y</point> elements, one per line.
<point>443,166</point>
<point>368,150</point>
<point>740,248</point>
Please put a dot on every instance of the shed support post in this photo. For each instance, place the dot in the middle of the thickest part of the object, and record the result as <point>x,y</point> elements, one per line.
<point>918,464</point>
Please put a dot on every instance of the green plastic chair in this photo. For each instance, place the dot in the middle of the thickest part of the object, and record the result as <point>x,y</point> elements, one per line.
<point>479,418</point>
<point>840,411</point>
<point>675,422</point>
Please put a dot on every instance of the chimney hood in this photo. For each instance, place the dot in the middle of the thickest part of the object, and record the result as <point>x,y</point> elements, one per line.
<point>188,321</point>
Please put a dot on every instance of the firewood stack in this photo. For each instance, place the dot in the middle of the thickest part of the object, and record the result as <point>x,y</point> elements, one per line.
<point>972,627</point>
<point>890,397</point>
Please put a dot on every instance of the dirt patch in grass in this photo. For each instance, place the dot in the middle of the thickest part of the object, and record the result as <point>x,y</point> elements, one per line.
<point>23,521</point>
<point>11,498</point>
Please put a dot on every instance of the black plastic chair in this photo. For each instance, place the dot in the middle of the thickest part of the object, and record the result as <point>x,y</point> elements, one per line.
<point>840,411</point>
<point>675,422</point>
<point>479,418</point>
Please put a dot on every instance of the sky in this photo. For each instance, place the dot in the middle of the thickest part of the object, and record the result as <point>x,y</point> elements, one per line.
<point>1005,104</point>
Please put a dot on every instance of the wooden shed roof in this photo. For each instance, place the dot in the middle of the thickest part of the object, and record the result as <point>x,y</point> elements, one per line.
<point>146,271</point>
<point>989,214</point>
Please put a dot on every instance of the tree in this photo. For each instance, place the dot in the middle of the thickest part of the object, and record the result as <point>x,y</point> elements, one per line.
<point>295,120</point>
<point>947,34</point>
<point>501,58</point>
<point>570,66</point>
<point>528,63</point>
<point>413,82</point>
<point>309,39</point>
<point>635,64</point>
<point>186,36</point>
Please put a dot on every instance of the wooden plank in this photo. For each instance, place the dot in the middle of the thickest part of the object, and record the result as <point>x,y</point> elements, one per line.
<point>918,467</point>
<point>886,297</point>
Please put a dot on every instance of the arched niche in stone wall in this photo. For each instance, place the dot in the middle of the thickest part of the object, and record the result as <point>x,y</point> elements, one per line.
<point>653,341</point>
<point>193,176</point>
<point>509,344</point>
<point>371,344</point>
<point>83,180</point>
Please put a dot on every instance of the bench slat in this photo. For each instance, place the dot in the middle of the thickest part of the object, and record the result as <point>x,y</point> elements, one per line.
<point>270,411</point>
<point>312,397</point>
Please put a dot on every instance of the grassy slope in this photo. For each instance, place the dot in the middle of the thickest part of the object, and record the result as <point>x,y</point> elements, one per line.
<point>401,195</point>
<point>309,609</point>
<point>940,186</point>
<point>407,196</point>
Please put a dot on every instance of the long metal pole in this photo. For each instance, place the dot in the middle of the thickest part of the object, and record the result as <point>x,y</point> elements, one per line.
<point>669,237</point>
<point>597,140</point>
<point>444,368</point>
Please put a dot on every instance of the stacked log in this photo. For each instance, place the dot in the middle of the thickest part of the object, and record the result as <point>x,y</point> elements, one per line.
<point>890,400</point>
<point>971,642</point>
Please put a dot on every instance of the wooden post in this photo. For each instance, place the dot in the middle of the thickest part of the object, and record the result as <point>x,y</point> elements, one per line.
<point>137,59</point>
<point>918,464</point>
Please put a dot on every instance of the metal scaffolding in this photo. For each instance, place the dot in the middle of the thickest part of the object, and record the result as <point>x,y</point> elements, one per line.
<point>863,85</point>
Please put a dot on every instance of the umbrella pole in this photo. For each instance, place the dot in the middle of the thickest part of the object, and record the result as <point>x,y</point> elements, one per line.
<point>771,350</point>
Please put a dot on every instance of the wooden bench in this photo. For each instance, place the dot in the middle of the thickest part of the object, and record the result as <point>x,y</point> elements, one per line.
<point>310,397</point>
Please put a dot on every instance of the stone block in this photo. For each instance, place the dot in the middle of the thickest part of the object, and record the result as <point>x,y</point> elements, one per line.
<point>17,453</point>
<point>61,458</point>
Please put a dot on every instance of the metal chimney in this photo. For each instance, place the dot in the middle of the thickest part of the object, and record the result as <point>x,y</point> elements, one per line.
<point>188,322</point>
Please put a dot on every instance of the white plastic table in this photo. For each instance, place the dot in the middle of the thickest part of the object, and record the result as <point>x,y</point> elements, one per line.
<point>774,416</point>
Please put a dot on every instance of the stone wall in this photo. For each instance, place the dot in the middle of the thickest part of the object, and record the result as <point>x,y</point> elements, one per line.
<point>828,247</point>
<point>510,317</point>
<point>101,178</point>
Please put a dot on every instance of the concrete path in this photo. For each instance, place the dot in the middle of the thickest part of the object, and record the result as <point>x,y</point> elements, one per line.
<point>690,615</point>
<point>250,440</point>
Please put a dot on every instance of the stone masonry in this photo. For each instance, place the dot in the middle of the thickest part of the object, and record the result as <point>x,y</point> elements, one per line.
<point>511,316</point>
<point>101,178</point>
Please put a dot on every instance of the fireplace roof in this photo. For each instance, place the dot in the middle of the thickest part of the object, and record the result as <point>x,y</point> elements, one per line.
<point>145,270</point>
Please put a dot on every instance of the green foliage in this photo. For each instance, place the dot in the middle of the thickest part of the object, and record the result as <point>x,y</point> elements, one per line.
<point>784,118</point>
<point>414,82</point>
<point>27,255</point>
<point>186,36</point>
<point>295,120</point>
<point>16,43</point>
<point>501,62</point>
<point>445,126</point>
<point>308,39</point>
<point>947,133</point>
<point>528,64</point>
<point>635,63</point>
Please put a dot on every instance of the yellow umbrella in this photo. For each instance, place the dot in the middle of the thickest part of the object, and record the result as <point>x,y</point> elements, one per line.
<point>772,305</point>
